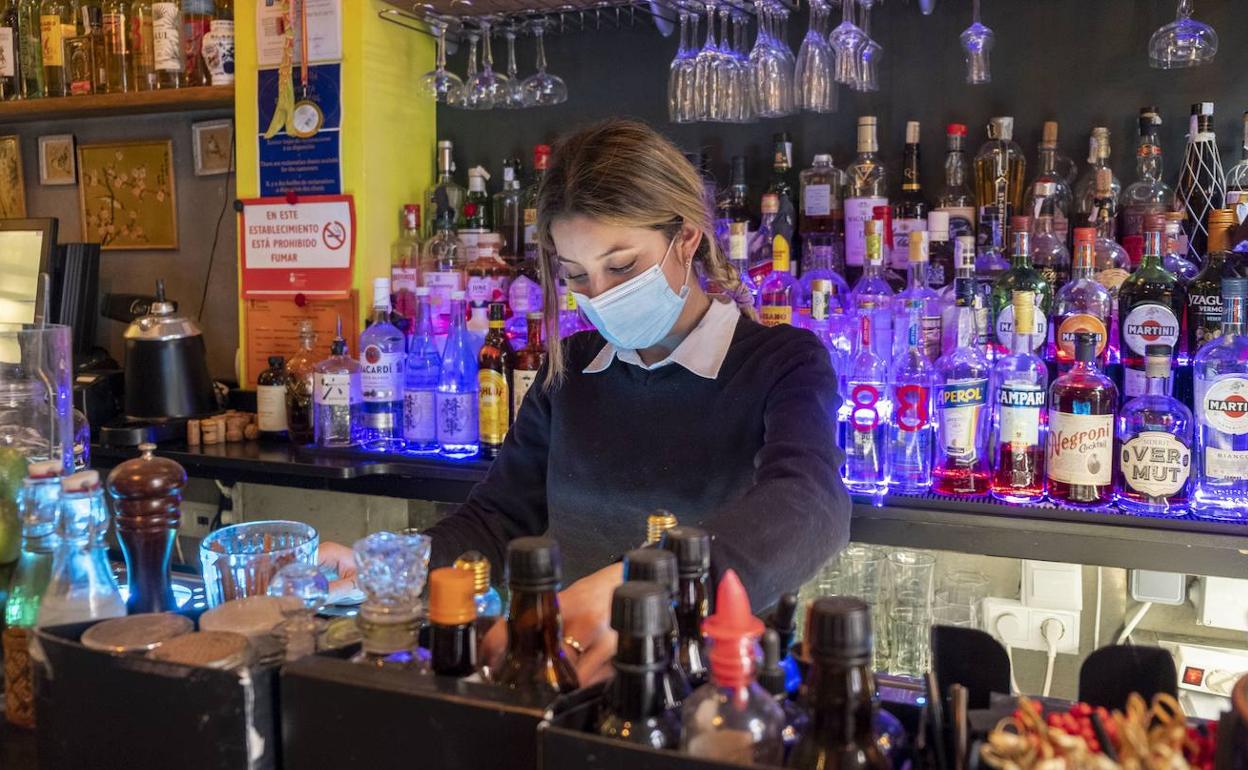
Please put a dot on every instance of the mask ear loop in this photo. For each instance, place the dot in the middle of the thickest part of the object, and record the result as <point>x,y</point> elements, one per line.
<point>684,287</point>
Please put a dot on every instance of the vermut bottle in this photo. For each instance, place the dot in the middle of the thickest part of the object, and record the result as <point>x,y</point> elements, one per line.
<point>534,661</point>
<point>1080,456</point>
<point>1151,303</point>
<point>1204,291</point>
<point>1155,444</point>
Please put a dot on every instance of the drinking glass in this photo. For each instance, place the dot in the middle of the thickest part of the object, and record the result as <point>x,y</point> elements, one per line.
<point>512,92</point>
<point>542,89</point>
<point>440,84</point>
<point>1183,42</point>
<point>956,615</point>
<point>911,576</point>
<point>706,70</point>
<point>964,587</point>
<point>910,629</point>
<point>36,396</point>
<point>977,43</point>
<point>847,41</point>
<point>240,560</point>
<point>681,108</point>
<point>864,571</point>
<point>771,70</point>
<point>869,55</point>
<point>812,73</point>
<point>743,111</point>
<point>470,73</point>
<point>486,88</point>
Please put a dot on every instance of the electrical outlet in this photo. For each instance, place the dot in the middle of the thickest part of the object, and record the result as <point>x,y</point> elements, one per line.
<point>196,519</point>
<point>1022,627</point>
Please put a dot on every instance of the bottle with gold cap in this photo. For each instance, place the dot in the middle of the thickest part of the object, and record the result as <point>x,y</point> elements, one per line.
<point>452,612</point>
<point>657,523</point>
<point>918,291</point>
<point>485,596</point>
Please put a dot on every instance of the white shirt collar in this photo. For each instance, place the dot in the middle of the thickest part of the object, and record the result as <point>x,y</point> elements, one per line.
<point>702,352</point>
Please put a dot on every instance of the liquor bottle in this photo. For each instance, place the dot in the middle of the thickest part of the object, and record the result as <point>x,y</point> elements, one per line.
<point>1048,243</point>
<point>29,48</point>
<point>692,547</point>
<point>883,215</point>
<point>524,296</point>
<point>940,250</point>
<point>541,158</point>
<point>445,200</point>
<point>420,384</point>
<point>392,571</point>
<point>1147,194</point>
<point>300,384</point>
<point>1020,277</point>
<point>1020,385</point>
<point>38,505</point>
<point>780,295</point>
<point>1237,175</point>
<point>456,401</point>
<point>822,260</point>
<point>1079,460</point>
<point>485,597</point>
<point>1113,265</point>
<point>962,414</point>
<point>839,691</point>
<point>528,362</point>
<point>956,198</point>
<point>731,718</point>
<point>635,709</point>
<point>82,586</point>
<point>1175,245</point>
<point>1152,305</point>
<point>442,271</point>
<point>918,290</point>
<point>571,320</point>
<point>1091,193</point>
<point>222,29</point>
<point>733,209</point>
<point>382,357</point>
<point>452,621</point>
<point>476,216</point>
<point>494,372</point>
<point>829,324</point>
<point>169,58</point>
<point>1082,305</point>
<point>866,186</point>
<point>820,198</point>
<point>910,209</point>
<point>488,277</point>
<point>142,46</point>
<point>56,25</point>
<point>1204,292</point>
<point>781,185</point>
<point>509,212</point>
<point>865,412</point>
<point>271,399</point>
<point>337,402</point>
<point>964,267</point>
<point>116,46</point>
<point>991,248</point>
<point>911,378</point>
<point>1059,194</point>
<point>1155,440</point>
<point>873,288</point>
<point>534,661</point>
<point>1000,169</point>
<point>763,240</point>
<point>10,61</point>
<point>80,52</point>
<point>657,566</point>
<point>1220,370</point>
<point>1201,188</point>
<point>405,263</point>
<point>196,21</point>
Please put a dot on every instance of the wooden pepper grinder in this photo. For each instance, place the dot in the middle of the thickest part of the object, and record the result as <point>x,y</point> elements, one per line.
<point>146,494</point>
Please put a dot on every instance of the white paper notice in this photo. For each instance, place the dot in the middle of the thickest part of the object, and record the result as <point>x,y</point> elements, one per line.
<point>324,31</point>
<point>279,236</point>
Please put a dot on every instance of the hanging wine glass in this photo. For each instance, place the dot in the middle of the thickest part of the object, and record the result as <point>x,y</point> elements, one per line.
<point>513,90</point>
<point>542,89</point>
<point>680,76</point>
<point>847,41</point>
<point>440,84</point>
<point>812,74</point>
<point>870,54</point>
<point>470,73</point>
<point>705,69</point>
<point>977,43</point>
<point>1183,42</point>
<point>485,89</point>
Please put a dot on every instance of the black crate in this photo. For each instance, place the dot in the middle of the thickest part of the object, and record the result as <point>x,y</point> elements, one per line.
<point>103,711</point>
<point>341,714</point>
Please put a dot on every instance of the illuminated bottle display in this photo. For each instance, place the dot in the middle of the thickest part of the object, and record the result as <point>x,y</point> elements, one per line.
<point>908,456</point>
<point>1080,456</point>
<point>1221,374</point>
<point>866,186</point>
<point>865,413</point>
<point>420,381</point>
<point>962,412</point>
<point>1155,444</point>
<point>1019,391</point>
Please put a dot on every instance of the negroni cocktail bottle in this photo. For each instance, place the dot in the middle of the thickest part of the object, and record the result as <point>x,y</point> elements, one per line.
<point>1080,456</point>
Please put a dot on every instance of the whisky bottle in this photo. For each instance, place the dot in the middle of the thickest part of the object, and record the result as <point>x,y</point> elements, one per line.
<point>1051,172</point>
<point>271,399</point>
<point>866,186</point>
<point>1147,194</point>
<point>528,362</point>
<point>142,46</point>
<point>1092,193</point>
<point>118,67</point>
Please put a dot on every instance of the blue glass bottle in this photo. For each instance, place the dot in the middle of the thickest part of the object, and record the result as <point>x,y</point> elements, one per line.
<point>1155,444</point>
<point>456,399</point>
<point>420,381</point>
<point>1221,373</point>
<point>908,456</point>
<point>865,412</point>
<point>381,375</point>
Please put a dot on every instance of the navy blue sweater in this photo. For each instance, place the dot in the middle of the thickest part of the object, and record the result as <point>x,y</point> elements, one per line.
<point>750,456</point>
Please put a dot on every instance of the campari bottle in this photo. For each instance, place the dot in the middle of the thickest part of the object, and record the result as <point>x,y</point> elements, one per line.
<point>961,466</point>
<point>1221,374</point>
<point>1020,383</point>
<point>1155,444</point>
<point>1080,457</point>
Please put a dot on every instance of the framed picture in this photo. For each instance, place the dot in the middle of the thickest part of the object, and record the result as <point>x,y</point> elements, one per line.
<point>12,188</point>
<point>214,151</point>
<point>127,195</point>
<point>57,163</point>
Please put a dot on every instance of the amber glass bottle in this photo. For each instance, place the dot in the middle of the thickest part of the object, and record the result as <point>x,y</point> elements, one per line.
<point>452,616</point>
<point>692,547</point>
<point>535,661</point>
<point>494,366</point>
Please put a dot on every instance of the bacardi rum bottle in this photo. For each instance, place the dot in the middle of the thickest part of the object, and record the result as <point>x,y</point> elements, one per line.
<point>866,186</point>
<point>1151,305</point>
<point>1155,444</point>
<point>382,357</point>
<point>1019,391</point>
<point>1220,370</point>
<point>1080,456</point>
<point>1082,305</point>
<point>908,458</point>
<point>961,466</point>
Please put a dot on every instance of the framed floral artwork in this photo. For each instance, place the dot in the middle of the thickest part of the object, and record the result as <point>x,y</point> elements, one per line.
<point>213,144</point>
<point>56,160</point>
<point>126,192</point>
<point>12,188</point>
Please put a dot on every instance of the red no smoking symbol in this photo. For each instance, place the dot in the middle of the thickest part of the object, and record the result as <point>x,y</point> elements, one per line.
<point>334,235</point>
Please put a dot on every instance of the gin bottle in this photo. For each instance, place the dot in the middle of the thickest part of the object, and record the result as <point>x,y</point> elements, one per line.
<point>872,288</point>
<point>961,466</point>
<point>908,456</point>
<point>1221,374</point>
<point>337,404</point>
<point>1082,305</point>
<point>1079,460</point>
<point>82,586</point>
<point>865,413</point>
<point>1155,444</point>
<point>445,199</point>
<point>1020,384</point>
<point>918,290</point>
<point>381,375</point>
<point>455,403</point>
<point>420,382</point>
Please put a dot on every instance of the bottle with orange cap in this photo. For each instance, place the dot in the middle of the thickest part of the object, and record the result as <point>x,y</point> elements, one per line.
<point>452,614</point>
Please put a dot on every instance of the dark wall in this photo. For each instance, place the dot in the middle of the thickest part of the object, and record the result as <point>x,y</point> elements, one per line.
<point>1081,62</point>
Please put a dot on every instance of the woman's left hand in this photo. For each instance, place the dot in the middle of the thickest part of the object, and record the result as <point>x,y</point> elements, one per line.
<point>586,609</point>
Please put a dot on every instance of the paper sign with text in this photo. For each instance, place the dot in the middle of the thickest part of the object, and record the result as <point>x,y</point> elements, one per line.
<point>306,247</point>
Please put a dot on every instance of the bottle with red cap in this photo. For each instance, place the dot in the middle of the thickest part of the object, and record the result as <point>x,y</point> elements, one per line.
<point>956,198</point>
<point>541,156</point>
<point>732,718</point>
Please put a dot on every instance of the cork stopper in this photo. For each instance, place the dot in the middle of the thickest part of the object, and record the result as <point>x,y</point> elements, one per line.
<point>920,245</point>
<point>1024,312</point>
<point>478,566</point>
<point>1222,223</point>
<point>1048,136</point>
<point>1099,147</point>
<point>451,600</point>
<point>657,523</point>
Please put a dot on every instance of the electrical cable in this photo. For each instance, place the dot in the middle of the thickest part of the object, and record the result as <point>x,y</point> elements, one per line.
<point>1096,626</point>
<point>216,234</point>
<point>1009,651</point>
<point>1133,622</point>
<point>1051,642</point>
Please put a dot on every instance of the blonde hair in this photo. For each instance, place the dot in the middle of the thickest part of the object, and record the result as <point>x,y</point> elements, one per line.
<point>624,173</point>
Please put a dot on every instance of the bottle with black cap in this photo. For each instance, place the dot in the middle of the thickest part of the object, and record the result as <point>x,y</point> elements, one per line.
<point>637,709</point>
<point>692,547</point>
<point>772,677</point>
<point>534,661</point>
<point>783,619</point>
<point>655,565</point>
<point>839,692</point>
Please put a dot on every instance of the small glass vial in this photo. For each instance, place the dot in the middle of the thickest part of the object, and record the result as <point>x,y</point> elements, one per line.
<point>338,405</point>
<point>392,571</point>
<point>271,399</point>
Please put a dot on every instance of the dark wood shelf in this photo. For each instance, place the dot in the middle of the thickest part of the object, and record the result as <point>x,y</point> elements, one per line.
<point>114,105</point>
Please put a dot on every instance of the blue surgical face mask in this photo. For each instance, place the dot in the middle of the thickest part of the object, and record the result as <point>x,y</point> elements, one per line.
<point>639,312</point>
